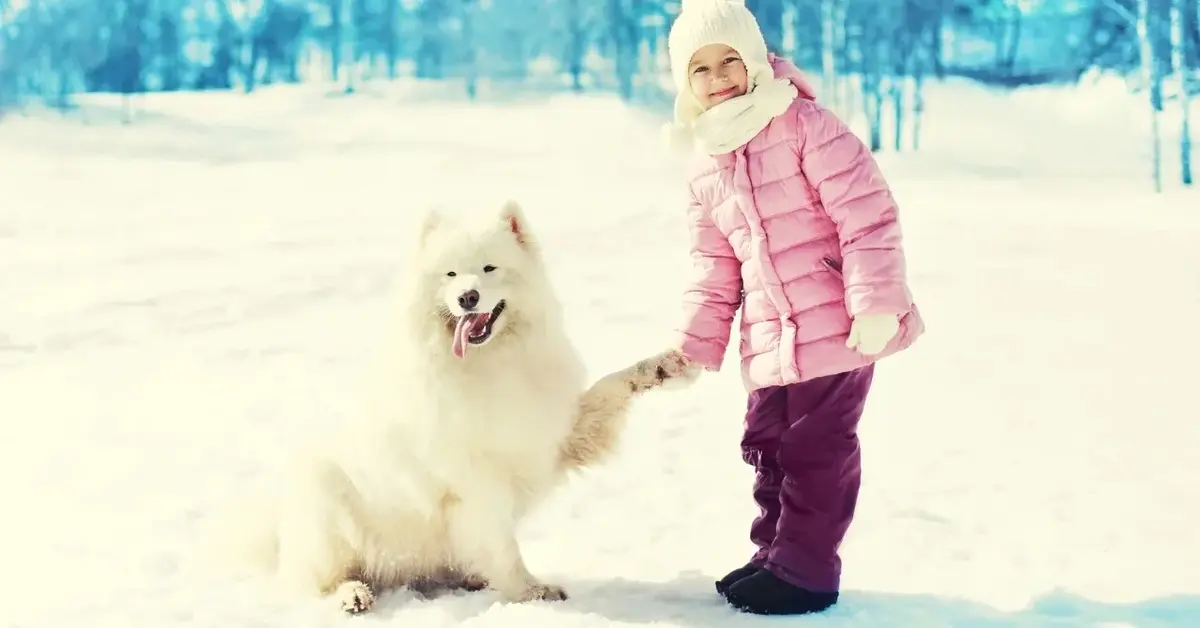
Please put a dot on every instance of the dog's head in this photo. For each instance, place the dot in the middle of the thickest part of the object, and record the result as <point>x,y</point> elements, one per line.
<point>484,284</point>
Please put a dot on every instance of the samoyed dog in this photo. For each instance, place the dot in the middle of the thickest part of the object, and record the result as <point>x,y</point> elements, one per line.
<point>482,411</point>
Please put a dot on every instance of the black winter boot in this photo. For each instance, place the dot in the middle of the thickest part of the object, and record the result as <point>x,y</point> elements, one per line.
<point>765,594</point>
<point>732,577</point>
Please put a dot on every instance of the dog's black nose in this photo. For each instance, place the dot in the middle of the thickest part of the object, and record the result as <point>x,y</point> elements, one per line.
<point>469,299</point>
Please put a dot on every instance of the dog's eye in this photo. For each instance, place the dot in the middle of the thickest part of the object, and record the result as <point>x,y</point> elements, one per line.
<point>451,274</point>
<point>489,268</point>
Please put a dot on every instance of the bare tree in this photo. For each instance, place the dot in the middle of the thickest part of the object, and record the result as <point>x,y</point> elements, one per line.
<point>1151,77</point>
<point>1183,89</point>
<point>623,18</point>
<point>829,46</point>
<point>576,46</point>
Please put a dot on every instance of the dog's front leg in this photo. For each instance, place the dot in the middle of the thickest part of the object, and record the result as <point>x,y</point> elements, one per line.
<point>604,406</point>
<point>483,531</point>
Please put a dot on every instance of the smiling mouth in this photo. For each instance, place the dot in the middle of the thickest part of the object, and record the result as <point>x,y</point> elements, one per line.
<point>474,329</point>
<point>724,92</point>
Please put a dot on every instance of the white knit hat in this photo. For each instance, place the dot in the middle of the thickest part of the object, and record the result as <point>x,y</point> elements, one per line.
<point>704,22</point>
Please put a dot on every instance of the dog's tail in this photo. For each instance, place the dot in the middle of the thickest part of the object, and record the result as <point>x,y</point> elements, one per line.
<point>604,407</point>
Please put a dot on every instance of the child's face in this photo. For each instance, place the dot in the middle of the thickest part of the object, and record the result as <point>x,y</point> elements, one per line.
<point>716,74</point>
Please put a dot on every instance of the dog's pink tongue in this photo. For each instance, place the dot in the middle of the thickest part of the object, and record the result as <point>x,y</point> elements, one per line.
<point>461,330</point>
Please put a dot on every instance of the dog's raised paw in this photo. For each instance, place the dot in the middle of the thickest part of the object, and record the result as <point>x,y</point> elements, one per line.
<point>355,597</point>
<point>657,370</point>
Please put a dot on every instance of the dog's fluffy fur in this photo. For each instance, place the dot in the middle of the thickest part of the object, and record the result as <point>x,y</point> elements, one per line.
<point>430,486</point>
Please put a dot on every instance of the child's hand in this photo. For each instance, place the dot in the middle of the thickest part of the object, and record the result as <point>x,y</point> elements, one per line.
<point>871,333</point>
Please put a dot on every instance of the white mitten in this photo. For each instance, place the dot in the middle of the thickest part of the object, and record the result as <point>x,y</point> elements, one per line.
<point>871,333</point>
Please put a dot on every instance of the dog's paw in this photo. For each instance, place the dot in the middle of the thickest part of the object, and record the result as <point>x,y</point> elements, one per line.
<point>669,366</point>
<point>471,582</point>
<point>355,597</point>
<point>545,592</point>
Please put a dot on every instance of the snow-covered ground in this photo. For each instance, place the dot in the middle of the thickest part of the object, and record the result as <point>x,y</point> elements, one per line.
<point>187,296</point>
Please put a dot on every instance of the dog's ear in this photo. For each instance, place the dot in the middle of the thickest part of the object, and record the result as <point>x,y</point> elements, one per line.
<point>513,219</point>
<point>429,222</point>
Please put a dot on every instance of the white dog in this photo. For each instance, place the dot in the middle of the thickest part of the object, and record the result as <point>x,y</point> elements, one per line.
<point>484,412</point>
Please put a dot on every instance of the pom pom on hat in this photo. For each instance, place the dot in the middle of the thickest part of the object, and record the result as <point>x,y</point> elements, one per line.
<point>677,138</point>
<point>677,134</point>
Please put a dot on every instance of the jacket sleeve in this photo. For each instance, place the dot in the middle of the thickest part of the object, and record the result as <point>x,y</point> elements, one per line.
<point>855,195</point>
<point>714,295</point>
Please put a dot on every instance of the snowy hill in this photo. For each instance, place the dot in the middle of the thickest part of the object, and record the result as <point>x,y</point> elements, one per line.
<point>187,296</point>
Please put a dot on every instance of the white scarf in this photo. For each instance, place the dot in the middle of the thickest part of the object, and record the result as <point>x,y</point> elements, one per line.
<point>736,121</point>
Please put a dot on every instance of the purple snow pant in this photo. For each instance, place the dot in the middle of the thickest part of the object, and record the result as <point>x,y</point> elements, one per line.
<point>802,441</point>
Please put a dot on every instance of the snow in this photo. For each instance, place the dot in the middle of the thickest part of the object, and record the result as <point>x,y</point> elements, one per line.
<point>187,296</point>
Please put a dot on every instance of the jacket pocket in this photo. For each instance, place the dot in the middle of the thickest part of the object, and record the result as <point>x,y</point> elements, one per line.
<point>832,265</point>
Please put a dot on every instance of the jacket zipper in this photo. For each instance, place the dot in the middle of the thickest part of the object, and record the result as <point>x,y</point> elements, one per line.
<point>832,265</point>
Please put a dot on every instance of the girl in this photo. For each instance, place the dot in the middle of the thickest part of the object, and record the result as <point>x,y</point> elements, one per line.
<point>792,222</point>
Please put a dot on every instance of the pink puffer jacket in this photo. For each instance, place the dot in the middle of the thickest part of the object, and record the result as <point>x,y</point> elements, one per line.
<point>799,229</point>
